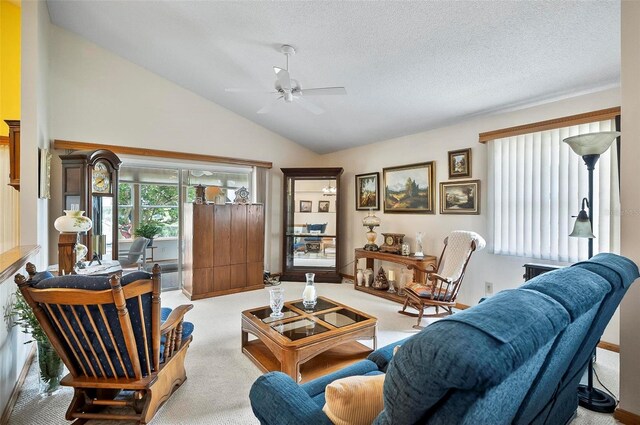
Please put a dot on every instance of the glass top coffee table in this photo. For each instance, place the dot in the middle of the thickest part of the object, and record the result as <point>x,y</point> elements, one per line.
<point>305,345</point>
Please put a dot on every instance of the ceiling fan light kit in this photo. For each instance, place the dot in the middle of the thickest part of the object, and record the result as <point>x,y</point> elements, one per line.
<point>290,90</point>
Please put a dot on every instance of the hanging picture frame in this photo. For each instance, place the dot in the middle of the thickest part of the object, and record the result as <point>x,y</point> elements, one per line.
<point>44,174</point>
<point>410,188</point>
<point>460,163</point>
<point>460,197</point>
<point>368,191</point>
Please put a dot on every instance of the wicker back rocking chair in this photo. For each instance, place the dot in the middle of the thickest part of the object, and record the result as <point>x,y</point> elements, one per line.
<point>109,333</point>
<point>444,280</point>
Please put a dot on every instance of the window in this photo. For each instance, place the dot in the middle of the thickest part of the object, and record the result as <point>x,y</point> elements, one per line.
<point>159,204</point>
<point>536,183</point>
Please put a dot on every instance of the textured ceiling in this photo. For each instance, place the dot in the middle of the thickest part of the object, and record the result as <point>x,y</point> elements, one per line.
<point>407,66</point>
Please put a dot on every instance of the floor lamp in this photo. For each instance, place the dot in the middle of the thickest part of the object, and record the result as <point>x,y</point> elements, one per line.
<point>590,147</point>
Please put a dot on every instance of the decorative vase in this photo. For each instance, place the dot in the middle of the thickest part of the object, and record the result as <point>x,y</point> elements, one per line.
<point>368,277</point>
<point>276,301</point>
<point>72,222</point>
<point>309,295</point>
<point>51,368</point>
<point>359,277</point>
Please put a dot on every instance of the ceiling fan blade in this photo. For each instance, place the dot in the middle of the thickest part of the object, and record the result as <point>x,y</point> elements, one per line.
<point>269,106</point>
<point>236,90</point>
<point>325,91</point>
<point>314,109</point>
<point>283,78</point>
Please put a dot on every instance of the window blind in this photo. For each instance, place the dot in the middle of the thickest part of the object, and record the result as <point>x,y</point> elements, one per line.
<point>536,184</point>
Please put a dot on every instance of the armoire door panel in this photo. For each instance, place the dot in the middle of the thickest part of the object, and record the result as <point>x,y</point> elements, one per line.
<point>238,251</point>
<point>238,275</point>
<point>221,278</point>
<point>202,237</point>
<point>222,235</point>
<point>255,233</point>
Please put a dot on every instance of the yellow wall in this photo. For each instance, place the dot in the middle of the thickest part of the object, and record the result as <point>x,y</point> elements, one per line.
<point>9,63</point>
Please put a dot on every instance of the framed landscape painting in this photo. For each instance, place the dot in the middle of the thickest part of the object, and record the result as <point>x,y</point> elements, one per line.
<point>460,163</point>
<point>367,191</point>
<point>460,197</point>
<point>410,188</point>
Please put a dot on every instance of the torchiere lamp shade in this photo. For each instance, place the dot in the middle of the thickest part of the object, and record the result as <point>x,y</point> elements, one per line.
<point>592,143</point>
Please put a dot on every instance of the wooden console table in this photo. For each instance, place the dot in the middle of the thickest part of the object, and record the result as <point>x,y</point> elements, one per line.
<point>409,261</point>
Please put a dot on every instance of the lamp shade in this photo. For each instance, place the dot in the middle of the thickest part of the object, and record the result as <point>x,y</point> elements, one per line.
<point>72,222</point>
<point>582,227</point>
<point>592,143</point>
<point>371,220</point>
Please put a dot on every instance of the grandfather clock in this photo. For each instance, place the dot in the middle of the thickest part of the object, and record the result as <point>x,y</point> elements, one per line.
<point>90,180</point>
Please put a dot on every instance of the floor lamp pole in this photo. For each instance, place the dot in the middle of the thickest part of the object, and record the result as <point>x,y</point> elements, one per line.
<point>589,397</point>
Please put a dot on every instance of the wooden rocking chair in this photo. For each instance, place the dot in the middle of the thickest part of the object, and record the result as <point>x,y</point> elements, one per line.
<point>444,280</point>
<point>109,334</point>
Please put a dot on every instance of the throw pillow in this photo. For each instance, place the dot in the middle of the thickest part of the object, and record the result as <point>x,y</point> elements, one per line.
<point>355,400</point>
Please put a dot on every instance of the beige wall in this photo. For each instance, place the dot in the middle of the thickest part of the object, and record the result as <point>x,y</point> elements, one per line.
<point>96,96</point>
<point>630,220</point>
<point>33,225</point>
<point>503,271</point>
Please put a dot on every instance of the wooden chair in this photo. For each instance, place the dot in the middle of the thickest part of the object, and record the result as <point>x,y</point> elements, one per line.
<point>444,280</point>
<point>109,334</point>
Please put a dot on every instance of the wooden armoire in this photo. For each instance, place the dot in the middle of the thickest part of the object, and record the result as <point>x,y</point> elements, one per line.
<point>224,249</point>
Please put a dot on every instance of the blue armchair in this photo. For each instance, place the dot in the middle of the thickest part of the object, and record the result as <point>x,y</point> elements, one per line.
<point>515,358</point>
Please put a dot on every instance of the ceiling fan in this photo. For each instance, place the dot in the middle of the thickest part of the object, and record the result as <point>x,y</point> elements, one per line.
<point>290,90</point>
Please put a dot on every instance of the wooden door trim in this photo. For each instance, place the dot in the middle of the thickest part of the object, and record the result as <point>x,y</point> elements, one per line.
<point>158,153</point>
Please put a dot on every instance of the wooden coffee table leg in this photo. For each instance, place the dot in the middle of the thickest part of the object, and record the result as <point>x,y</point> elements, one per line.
<point>290,365</point>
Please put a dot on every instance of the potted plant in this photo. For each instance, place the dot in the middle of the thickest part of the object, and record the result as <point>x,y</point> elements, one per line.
<point>148,230</point>
<point>51,366</point>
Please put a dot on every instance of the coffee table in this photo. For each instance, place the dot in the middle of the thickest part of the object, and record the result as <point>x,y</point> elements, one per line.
<point>305,345</point>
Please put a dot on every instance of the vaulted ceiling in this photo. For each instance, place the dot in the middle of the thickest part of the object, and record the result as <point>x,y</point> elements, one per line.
<point>407,66</point>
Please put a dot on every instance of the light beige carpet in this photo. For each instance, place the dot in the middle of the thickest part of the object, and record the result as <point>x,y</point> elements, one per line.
<point>220,376</point>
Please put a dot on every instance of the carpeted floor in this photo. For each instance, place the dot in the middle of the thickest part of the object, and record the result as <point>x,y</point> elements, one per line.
<point>219,375</point>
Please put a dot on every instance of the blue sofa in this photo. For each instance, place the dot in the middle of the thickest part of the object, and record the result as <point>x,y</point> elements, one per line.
<point>515,358</point>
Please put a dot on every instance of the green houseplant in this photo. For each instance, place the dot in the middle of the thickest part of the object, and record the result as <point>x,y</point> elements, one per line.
<point>148,230</point>
<point>51,366</point>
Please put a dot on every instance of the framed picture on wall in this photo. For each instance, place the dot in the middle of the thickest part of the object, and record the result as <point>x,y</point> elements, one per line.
<point>305,206</point>
<point>460,163</point>
<point>410,188</point>
<point>323,206</point>
<point>44,171</point>
<point>367,191</point>
<point>462,197</point>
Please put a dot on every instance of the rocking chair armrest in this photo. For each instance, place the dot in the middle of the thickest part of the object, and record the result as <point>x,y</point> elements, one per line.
<point>438,277</point>
<point>176,316</point>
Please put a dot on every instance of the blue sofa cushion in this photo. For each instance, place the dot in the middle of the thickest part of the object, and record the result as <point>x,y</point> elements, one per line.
<point>472,350</point>
<point>576,289</point>
<point>618,270</point>
<point>512,319</point>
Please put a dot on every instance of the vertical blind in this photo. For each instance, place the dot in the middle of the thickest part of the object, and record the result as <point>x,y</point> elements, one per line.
<point>9,205</point>
<point>536,184</point>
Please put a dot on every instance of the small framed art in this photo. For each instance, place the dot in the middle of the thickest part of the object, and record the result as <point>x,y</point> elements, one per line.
<point>305,206</point>
<point>460,163</point>
<point>462,197</point>
<point>368,191</point>
<point>323,206</point>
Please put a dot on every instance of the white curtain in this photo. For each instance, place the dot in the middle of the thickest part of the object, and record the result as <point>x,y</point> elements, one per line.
<point>9,206</point>
<point>536,184</point>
